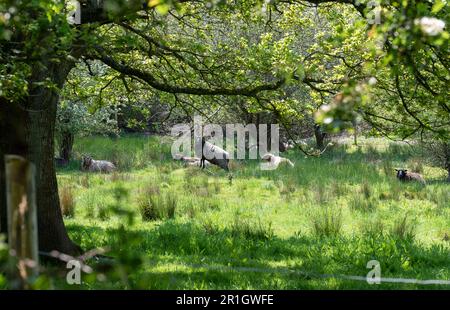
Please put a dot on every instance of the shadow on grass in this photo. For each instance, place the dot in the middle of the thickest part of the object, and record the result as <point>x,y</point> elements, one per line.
<point>178,254</point>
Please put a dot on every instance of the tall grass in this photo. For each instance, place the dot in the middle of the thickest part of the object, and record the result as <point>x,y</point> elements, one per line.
<point>253,229</point>
<point>133,152</point>
<point>67,201</point>
<point>265,218</point>
<point>327,222</point>
<point>404,229</point>
<point>154,205</point>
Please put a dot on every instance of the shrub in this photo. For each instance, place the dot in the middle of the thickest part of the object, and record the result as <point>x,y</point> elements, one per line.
<point>327,223</point>
<point>438,154</point>
<point>67,201</point>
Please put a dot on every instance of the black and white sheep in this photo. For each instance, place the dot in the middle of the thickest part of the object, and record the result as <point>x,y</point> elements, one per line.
<point>89,164</point>
<point>406,176</point>
<point>214,154</point>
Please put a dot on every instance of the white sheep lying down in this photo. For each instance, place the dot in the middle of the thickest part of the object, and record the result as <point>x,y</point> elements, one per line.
<point>92,165</point>
<point>274,161</point>
<point>189,161</point>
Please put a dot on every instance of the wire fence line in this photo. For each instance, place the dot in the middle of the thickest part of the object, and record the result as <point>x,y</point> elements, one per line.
<point>307,274</point>
<point>286,271</point>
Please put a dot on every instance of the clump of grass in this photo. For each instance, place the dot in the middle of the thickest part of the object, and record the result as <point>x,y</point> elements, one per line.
<point>191,210</point>
<point>190,173</point>
<point>170,205</point>
<point>372,154</point>
<point>217,186</point>
<point>269,186</point>
<point>415,165</point>
<point>241,188</point>
<point>287,188</point>
<point>385,195</point>
<point>156,206</point>
<point>373,228</point>
<point>67,201</point>
<point>210,204</point>
<point>388,168</point>
<point>327,223</point>
<point>361,203</point>
<point>115,177</point>
<point>322,196</point>
<point>122,159</point>
<point>366,190</point>
<point>338,189</point>
<point>404,229</point>
<point>251,229</point>
<point>84,180</point>
<point>164,177</point>
<point>440,196</point>
<point>197,186</point>
<point>209,227</point>
<point>104,213</point>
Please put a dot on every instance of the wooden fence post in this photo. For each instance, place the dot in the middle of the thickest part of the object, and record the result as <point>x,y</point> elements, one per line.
<point>22,214</point>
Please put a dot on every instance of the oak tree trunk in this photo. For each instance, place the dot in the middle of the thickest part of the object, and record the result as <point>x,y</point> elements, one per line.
<point>320,137</point>
<point>34,127</point>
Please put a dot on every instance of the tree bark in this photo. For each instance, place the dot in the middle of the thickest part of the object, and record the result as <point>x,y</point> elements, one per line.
<point>12,118</point>
<point>355,132</point>
<point>66,145</point>
<point>320,136</point>
<point>446,146</point>
<point>35,126</point>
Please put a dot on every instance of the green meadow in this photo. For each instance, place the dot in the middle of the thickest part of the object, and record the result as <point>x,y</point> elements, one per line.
<point>165,226</point>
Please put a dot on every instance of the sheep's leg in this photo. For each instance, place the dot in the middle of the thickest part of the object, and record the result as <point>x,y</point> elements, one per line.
<point>202,163</point>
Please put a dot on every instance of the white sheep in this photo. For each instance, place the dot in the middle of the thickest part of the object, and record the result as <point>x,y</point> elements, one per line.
<point>214,154</point>
<point>89,164</point>
<point>274,161</point>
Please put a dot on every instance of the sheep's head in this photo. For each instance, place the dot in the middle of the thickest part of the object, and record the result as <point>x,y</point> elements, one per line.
<point>267,157</point>
<point>178,157</point>
<point>86,162</point>
<point>401,173</point>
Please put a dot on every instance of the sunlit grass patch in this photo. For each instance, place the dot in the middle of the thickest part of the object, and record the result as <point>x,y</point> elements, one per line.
<point>330,214</point>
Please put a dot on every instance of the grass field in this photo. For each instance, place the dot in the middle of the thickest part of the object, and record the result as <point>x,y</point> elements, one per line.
<point>171,227</point>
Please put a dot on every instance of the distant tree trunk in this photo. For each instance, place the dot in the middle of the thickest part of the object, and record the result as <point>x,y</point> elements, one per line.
<point>320,136</point>
<point>66,145</point>
<point>447,160</point>
<point>258,138</point>
<point>355,132</point>
<point>37,124</point>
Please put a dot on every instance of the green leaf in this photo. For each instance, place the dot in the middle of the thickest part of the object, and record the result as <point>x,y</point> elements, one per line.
<point>437,6</point>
